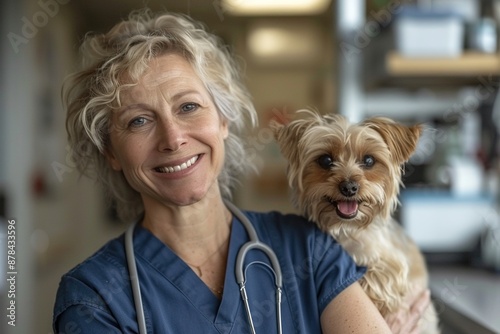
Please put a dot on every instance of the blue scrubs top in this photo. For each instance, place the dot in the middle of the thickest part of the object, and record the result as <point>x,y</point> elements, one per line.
<point>96,296</point>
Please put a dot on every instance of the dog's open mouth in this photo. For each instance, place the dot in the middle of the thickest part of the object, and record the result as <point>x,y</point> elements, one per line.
<point>345,209</point>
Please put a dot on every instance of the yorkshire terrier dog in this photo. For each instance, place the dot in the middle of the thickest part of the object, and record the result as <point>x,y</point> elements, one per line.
<point>346,178</point>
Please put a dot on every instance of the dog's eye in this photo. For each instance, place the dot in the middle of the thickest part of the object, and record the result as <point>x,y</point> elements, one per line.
<point>325,161</point>
<point>368,161</point>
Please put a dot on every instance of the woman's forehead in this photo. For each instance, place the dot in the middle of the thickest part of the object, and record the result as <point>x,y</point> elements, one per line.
<point>168,75</point>
<point>167,68</point>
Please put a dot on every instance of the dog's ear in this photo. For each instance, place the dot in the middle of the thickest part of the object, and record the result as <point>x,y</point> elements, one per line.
<point>401,139</point>
<point>288,136</point>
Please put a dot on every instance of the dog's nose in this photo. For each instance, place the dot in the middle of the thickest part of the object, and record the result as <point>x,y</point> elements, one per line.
<point>349,188</point>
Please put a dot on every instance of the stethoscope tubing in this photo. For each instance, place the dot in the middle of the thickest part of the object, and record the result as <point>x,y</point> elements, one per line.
<point>254,243</point>
<point>134,279</point>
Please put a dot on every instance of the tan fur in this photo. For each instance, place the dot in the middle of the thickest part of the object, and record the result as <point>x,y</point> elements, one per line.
<point>395,266</point>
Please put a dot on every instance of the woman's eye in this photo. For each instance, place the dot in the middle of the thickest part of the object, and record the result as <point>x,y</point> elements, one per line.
<point>187,107</point>
<point>137,122</point>
<point>368,161</point>
<point>325,161</point>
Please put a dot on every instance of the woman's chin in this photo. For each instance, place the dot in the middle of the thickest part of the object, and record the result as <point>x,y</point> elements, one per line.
<point>180,198</point>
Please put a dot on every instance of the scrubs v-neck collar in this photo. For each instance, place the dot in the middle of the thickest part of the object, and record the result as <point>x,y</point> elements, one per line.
<point>222,313</point>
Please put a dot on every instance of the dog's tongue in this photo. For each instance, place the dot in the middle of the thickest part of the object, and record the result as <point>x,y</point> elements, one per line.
<point>347,208</point>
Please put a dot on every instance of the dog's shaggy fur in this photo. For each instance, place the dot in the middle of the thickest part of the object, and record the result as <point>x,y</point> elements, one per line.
<point>346,178</point>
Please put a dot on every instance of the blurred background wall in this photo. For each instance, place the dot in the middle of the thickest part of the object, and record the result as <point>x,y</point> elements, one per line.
<point>346,56</point>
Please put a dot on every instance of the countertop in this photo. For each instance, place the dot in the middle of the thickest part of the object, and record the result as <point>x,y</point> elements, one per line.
<point>467,298</point>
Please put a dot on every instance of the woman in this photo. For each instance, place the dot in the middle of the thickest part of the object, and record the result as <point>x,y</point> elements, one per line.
<point>156,113</point>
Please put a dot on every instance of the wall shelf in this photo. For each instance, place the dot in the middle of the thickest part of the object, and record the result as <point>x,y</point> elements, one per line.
<point>470,64</point>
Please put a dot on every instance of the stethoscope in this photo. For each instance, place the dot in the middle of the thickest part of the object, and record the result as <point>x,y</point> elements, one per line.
<point>254,243</point>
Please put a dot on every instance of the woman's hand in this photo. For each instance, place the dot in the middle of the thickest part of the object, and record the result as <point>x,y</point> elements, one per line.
<point>407,322</point>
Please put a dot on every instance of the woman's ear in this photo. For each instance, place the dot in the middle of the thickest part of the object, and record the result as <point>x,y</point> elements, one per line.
<point>112,160</point>
<point>224,128</point>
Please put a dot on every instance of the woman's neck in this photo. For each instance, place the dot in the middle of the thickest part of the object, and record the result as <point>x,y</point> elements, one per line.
<point>199,234</point>
<point>191,231</point>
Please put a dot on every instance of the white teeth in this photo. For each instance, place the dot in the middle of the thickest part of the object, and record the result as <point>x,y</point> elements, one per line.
<point>178,168</point>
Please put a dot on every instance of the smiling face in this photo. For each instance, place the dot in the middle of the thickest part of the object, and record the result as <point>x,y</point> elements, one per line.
<point>167,137</point>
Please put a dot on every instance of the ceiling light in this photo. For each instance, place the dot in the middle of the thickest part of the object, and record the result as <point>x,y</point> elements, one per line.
<point>280,42</point>
<point>275,7</point>
<point>268,42</point>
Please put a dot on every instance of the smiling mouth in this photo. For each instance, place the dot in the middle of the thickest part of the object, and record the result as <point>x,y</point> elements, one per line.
<point>178,168</point>
<point>345,209</point>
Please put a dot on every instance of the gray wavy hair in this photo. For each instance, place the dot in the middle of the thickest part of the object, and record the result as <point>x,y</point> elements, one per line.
<point>90,94</point>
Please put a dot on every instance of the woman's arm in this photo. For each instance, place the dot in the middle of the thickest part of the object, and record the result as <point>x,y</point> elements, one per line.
<point>353,312</point>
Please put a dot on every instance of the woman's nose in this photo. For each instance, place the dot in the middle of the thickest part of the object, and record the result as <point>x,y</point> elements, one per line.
<point>172,135</point>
